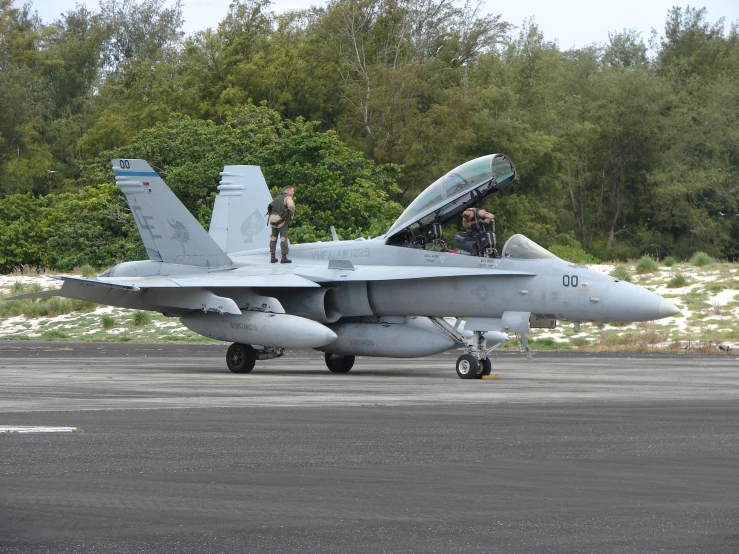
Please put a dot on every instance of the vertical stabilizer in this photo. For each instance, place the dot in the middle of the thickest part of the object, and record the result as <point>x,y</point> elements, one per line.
<point>170,232</point>
<point>239,220</point>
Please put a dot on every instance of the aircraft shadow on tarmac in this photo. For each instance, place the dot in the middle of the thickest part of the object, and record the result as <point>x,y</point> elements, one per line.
<point>400,372</point>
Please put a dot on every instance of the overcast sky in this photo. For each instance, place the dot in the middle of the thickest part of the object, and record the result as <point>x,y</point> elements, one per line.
<point>572,23</point>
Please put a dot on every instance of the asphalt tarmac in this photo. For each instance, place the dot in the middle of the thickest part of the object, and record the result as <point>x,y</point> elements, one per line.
<point>172,453</point>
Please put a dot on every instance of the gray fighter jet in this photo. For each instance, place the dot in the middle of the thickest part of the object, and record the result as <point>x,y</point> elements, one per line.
<point>404,294</point>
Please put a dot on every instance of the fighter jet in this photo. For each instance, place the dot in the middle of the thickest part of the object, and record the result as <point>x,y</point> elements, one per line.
<point>404,294</point>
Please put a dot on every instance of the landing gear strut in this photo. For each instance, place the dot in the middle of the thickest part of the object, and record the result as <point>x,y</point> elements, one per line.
<point>339,364</point>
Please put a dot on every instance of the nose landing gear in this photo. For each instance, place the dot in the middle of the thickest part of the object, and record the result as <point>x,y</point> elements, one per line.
<point>474,363</point>
<point>468,366</point>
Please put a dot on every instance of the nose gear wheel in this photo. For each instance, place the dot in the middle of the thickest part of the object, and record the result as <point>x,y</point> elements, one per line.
<point>467,366</point>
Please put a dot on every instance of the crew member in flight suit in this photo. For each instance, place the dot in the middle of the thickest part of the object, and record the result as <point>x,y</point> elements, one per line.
<point>471,217</point>
<point>281,213</point>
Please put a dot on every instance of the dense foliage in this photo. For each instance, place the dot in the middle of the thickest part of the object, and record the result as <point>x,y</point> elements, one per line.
<point>623,150</point>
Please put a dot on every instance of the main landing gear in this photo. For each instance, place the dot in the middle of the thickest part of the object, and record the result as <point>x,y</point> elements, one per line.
<point>240,358</point>
<point>339,364</point>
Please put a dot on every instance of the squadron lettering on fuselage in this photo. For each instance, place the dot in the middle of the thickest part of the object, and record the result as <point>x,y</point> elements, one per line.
<point>340,254</point>
<point>244,326</point>
<point>361,342</point>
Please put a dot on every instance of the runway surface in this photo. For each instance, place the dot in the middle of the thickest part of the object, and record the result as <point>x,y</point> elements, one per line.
<point>172,453</point>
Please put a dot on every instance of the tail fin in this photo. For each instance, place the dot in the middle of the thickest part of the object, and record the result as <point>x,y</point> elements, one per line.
<point>170,232</point>
<point>239,220</point>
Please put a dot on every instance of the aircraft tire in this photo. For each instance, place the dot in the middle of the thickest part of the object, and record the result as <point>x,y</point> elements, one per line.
<point>339,364</point>
<point>467,366</point>
<point>240,358</point>
<point>486,368</point>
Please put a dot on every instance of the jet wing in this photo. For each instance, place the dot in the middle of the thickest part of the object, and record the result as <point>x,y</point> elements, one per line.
<point>189,292</point>
<point>392,273</point>
<point>230,279</point>
<point>73,281</point>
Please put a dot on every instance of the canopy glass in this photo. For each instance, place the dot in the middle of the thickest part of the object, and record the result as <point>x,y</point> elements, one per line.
<point>462,187</point>
<point>519,247</point>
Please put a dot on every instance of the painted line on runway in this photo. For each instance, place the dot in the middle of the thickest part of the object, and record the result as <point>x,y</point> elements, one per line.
<point>37,429</point>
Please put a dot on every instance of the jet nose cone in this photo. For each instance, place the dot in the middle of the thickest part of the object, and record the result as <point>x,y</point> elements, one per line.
<point>667,309</point>
<point>628,302</point>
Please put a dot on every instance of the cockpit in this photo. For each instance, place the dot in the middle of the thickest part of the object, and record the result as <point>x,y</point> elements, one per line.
<point>460,190</point>
<point>519,247</point>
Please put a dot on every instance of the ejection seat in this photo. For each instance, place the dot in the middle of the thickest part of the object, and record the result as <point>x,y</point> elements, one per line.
<point>478,241</point>
<point>446,199</point>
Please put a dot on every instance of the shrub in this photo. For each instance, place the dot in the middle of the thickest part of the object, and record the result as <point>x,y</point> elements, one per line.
<point>669,261</point>
<point>646,264</point>
<point>700,259</point>
<point>54,335</point>
<point>677,281</point>
<point>18,288</point>
<point>573,254</point>
<point>141,318</point>
<point>86,270</point>
<point>546,343</point>
<point>622,273</point>
<point>43,307</point>
<point>107,321</point>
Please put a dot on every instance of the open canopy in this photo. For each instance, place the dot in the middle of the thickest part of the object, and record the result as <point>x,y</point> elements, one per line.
<point>461,188</point>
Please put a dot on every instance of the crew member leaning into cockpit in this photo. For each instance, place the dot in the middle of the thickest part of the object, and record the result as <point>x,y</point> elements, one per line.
<point>474,216</point>
<point>479,239</point>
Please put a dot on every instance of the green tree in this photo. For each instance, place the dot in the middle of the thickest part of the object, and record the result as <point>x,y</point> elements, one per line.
<point>336,186</point>
<point>21,241</point>
<point>92,226</point>
<point>139,29</point>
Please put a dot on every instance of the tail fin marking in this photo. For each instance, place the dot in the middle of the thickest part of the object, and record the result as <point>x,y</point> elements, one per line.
<point>169,231</point>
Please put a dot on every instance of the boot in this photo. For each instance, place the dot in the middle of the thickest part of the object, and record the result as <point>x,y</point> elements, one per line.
<point>284,260</point>
<point>273,258</point>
